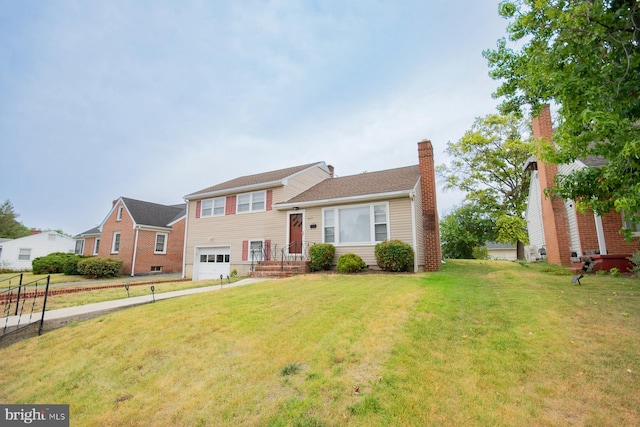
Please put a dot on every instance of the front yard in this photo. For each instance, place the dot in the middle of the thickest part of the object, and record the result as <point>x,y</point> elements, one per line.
<point>478,343</point>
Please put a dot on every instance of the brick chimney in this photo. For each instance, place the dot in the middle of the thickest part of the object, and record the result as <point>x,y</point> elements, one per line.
<point>554,215</point>
<point>431,229</point>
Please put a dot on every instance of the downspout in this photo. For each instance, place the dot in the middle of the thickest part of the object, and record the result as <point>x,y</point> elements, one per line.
<point>135,251</point>
<point>184,249</point>
<point>602,243</point>
<point>414,231</point>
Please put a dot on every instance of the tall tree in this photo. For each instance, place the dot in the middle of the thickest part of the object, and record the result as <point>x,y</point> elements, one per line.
<point>488,165</point>
<point>9,226</point>
<point>463,229</point>
<point>583,56</point>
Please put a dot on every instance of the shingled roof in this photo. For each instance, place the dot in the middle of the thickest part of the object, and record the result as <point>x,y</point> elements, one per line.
<point>153,214</point>
<point>365,184</point>
<point>248,181</point>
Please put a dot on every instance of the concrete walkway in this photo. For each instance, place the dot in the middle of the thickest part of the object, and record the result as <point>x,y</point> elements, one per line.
<point>57,318</point>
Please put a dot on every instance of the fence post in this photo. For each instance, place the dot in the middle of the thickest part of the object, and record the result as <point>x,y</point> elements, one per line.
<point>44,305</point>
<point>19,288</point>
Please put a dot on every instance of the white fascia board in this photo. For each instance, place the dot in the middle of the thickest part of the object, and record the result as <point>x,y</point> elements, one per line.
<point>151,228</point>
<point>234,190</point>
<point>343,200</point>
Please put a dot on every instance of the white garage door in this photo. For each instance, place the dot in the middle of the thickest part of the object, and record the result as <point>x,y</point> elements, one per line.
<point>212,262</point>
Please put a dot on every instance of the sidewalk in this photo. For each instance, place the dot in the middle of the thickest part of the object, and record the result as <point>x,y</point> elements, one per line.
<point>57,318</point>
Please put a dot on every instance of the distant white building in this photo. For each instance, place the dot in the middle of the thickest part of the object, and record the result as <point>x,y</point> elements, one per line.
<point>17,254</point>
<point>500,251</point>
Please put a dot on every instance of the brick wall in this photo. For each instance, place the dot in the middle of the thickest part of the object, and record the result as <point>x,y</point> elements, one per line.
<point>169,262</point>
<point>127,236</point>
<point>554,214</point>
<point>429,207</point>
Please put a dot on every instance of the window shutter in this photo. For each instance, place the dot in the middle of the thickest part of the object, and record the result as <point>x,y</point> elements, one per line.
<point>267,250</point>
<point>198,204</point>
<point>245,250</point>
<point>230,208</point>
<point>269,199</point>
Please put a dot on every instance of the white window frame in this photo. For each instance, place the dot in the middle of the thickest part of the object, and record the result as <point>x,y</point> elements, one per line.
<point>119,214</point>
<point>635,230</point>
<point>335,224</point>
<point>252,204</point>
<point>164,245</point>
<point>212,207</point>
<point>96,246</point>
<point>260,256</point>
<point>24,254</point>
<point>115,243</point>
<point>79,245</point>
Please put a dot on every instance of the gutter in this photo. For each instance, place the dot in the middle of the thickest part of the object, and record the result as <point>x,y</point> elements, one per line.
<point>341,200</point>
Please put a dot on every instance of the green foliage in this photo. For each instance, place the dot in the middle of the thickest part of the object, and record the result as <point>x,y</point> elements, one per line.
<point>100,267</point>
<point>369,405</point>
<point>614,271</point>
<point>234,273</point>
<point>512,229</point>
<point>321,256</point>
<point>583,56</point>
<point>463,229</point>
<point>10,228</point>
<point>480,252</point>
<point>350,263</point>
<point>635,259</point>
<point>56,262</point>
<point>290,369</point>
<point>394,255</point>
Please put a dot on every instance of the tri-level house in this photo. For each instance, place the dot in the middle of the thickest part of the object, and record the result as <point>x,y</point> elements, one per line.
<point>274,216</point>
<point>560,233</point>
<point>147,237</point>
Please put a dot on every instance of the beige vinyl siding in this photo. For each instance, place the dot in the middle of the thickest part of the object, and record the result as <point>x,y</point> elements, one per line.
<point>231,230</point>
<point>399,224</point>
<point>302,182</point>
<point>419,227</point>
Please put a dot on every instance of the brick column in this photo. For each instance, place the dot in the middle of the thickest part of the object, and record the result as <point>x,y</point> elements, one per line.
<point>431,229</point>
<point>554,214</point>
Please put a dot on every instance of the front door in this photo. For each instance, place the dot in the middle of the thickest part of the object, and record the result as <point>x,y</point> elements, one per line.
<point>295,233</point>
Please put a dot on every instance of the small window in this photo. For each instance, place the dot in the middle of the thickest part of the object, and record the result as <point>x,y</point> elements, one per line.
<point>156,268</point>
<point>627,224</point>
<point>115,247</point>
<point>79,247</point>
<point>161,243</point>
<point>119,216</point>
<point>96,246</point>
<point>24,255</point>
<point>255,250</point>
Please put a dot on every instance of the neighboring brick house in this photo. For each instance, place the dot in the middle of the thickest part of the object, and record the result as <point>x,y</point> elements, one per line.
<point>147,237</point>
<point>565,235</point>
<point>281,213</point>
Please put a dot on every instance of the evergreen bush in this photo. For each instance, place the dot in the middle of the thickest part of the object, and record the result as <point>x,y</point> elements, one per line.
<point>321,256</point>
<point>394,255</point>
<point>100,267</point>
<point>350,263</point>
<point>52,263</point>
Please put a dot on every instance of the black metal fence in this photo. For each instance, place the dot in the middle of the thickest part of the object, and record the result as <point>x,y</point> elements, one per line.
<point>294,251</point>
<point>22,305</point>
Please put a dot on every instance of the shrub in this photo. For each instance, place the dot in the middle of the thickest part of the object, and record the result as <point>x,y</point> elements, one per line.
<point>350,263</point>
<point>100,267</point>
<point>635,259</point>
<point>53,263</point>
<point>394,255</point>
<point>321,256</point>
<point>480,252</point>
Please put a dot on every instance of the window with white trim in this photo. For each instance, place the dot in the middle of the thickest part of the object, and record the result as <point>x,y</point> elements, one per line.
<point>115,245</point>
<point>251,202</point>
<point>79,247</point>
<point>119,215</point>
<point>212,207</point>
<point>161,243</point>
<point>96,246</point>
<point>256,252</point>
<point>24,254</point>
<point>361,224</point>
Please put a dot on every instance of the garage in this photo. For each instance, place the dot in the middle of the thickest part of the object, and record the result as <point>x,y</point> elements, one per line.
<point>212,262</point>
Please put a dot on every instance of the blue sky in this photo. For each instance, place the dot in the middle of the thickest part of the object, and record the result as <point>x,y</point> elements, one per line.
<point>154,100</point>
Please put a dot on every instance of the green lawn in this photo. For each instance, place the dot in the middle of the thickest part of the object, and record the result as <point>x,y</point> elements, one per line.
<point>478,343</point>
